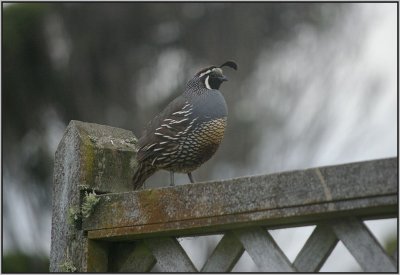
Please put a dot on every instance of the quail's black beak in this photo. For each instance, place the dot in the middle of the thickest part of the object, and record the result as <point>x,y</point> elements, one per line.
<point>223,78</point>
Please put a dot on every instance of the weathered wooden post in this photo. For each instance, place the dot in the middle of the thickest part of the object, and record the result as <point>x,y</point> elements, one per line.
<point>90,157</point>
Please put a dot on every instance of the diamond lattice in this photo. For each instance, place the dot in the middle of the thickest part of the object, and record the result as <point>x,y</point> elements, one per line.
<point>167,254</point>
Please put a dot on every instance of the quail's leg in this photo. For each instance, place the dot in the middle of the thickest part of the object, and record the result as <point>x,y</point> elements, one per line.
<point>190,177</point>
<point>171,174</point>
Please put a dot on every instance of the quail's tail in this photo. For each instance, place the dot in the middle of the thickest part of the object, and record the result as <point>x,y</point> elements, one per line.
<point>141,174</point>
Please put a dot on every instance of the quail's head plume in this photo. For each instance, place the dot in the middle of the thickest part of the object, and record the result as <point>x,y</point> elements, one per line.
<point>188,131</point>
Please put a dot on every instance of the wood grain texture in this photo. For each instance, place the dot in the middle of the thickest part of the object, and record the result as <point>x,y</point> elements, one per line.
<point>225,255</point>
<point>316,250</point>
<point>130,257</point>
<point>89,156</point>
<point>363,246</point>
<point>170,255</point>
<point>97,256</point>
<point>364,189</point>
<point>264,251</point>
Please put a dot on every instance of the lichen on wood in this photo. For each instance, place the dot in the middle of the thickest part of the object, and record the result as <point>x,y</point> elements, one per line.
<point>89,202</point>
<point>67,266</point>
<point>74,216</point>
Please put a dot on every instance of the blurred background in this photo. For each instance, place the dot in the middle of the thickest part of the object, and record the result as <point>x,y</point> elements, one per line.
<point>316,86</point>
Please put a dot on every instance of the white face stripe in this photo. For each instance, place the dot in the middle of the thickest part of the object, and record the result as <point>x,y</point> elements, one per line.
<point>206,72</point>
<point>219,70</point>
<point>206,83</point>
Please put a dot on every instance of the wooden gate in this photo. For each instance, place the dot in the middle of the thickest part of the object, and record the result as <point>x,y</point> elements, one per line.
<point>100,224</point>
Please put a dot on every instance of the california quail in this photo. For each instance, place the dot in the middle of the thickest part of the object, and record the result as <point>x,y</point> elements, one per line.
<point>188,131</point>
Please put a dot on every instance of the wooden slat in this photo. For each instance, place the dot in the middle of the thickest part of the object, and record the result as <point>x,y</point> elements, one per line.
<point>395,254</point>
<point>170,255</point>
<point>316,250</point>
<point>225,255</point>
<point>264,251</point>
<point>364,189</point>
<point>363,245</point>
<point>130,257</point>
<point>97,256</point>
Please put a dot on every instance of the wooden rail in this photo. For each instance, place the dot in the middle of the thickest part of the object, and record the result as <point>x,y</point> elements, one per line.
<point>132,230</point>
<point>292,198</point>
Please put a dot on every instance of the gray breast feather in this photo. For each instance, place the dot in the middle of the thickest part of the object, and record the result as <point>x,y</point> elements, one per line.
<point>210,106</point>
